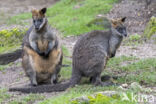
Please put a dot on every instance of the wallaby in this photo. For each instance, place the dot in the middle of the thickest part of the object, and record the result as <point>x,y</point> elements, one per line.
<point>90,56</point>
<point>42,56</point>
<point>41,51</point>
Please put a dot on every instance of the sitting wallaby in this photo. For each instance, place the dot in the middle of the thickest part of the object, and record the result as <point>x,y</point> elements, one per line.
<point>90,56</point>
<point>42,56</point>
<point>41,51</point>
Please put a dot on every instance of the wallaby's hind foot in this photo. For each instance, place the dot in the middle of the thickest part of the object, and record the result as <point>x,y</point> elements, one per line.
<point>75,79</point>
<point>53,79</point>
<point>97,80</point>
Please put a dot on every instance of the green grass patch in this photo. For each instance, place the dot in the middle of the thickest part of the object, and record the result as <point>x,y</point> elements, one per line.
<point>18,19</point>
<point>65,51</point>
<point>77,91</point>
<point>131,69</point>
<point>71,17</point>
<point>29,99</point>
<point>133,40</point>
<point>3,95</point>
<point>66,71</point>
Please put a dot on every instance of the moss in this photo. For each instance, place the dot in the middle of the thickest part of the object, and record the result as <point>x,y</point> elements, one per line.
<point>101,21</point>
<point>150,28</point>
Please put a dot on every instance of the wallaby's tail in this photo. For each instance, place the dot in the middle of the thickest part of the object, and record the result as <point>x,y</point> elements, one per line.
<point>43,88</point>
<point>10,57</point>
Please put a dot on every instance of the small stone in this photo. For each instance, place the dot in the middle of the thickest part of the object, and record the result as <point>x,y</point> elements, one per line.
<point>121,88</point>
<point>107,93</point>
<point>83,99</point>
<point>124,85</point>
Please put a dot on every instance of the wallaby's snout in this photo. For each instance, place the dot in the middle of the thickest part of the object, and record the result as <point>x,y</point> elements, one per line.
<point>124,31</point>
<point>119,27</point>
<point>37,23</point>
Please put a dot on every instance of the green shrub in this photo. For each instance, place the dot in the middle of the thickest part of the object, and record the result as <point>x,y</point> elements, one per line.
<point>11,38</point>
<point>150,28</point>
<point>135,37</point>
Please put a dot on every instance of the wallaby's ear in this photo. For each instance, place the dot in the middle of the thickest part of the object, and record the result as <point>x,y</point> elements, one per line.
<point>43,10</point>
<point>34,12</point>
<point>123,19</point>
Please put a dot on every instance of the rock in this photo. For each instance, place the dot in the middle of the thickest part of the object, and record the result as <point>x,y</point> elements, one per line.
<point>124,85</point>
<point>121,88</point>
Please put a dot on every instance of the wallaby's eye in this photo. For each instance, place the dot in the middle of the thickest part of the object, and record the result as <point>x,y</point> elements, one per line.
<point>119,29</point>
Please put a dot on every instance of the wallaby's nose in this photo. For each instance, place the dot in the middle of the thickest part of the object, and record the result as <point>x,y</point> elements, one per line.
<point>36,24</point>
<point>125,35</point>
<point>37,28</point>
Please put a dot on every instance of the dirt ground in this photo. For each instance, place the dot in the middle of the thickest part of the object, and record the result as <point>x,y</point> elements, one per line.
<point>13,7</point>
<point>137,17</point>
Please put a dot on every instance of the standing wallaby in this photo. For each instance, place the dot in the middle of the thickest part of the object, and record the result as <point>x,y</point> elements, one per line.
<point>90,56</point>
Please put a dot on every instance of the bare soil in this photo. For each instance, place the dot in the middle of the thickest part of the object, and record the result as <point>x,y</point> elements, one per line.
<point>13,7</point>
<point>137,17</point>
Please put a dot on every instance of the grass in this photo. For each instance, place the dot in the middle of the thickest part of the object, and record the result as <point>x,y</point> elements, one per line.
<point>65,51</point>
<point>66,71</point>
<point>4,95</point>
<point>134,70</point>
<point>71,17</point>
<point>29,99</point>
<point>18,19</point>
<point>71,20</point>
<point>128,70</point>
<point>77,91</point>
